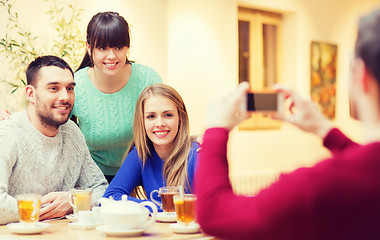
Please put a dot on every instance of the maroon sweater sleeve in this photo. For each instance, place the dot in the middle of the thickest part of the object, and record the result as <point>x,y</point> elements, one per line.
<point>216,210</point>
<point>279,212</point>
<point>337,142</point>
<point>223,214</point>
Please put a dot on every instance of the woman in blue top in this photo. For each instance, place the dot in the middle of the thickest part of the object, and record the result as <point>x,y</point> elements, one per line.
<point>162,153</point>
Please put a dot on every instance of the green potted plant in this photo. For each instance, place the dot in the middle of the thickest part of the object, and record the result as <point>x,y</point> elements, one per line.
<point>18,46</point>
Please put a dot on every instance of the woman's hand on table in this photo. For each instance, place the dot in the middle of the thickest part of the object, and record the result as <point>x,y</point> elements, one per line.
<point>57,204</point>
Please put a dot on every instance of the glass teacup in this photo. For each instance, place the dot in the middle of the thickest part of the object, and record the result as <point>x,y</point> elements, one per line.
<point>166,194</point>
<point>185,207</point>
<point>29,206</point>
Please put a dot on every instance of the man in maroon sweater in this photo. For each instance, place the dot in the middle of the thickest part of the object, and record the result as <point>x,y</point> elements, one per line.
<point>338,198</point>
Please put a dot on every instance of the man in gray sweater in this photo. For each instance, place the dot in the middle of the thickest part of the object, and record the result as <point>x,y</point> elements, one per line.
<point>43,152</point>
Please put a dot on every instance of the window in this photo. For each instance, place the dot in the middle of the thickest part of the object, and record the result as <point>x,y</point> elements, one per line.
<point>259,56</point>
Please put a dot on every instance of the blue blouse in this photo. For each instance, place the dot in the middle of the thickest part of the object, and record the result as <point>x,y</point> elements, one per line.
<point>133,174</point>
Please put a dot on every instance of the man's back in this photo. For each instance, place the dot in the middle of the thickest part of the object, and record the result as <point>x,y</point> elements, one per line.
<point>336,199</point>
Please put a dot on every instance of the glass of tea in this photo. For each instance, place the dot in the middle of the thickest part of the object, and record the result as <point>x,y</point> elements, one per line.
<point>185,207</point>
<point>166,194</point>
<point>29,206</point>
<point>81,199</point>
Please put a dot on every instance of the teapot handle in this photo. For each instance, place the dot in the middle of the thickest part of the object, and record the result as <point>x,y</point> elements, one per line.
<point>154,200</point>
<point>153,219</point>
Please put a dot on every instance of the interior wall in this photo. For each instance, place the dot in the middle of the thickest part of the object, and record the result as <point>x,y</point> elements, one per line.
<point>202,46</point>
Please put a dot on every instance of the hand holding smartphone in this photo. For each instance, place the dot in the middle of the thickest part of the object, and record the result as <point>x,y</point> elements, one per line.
<point>265,102</point>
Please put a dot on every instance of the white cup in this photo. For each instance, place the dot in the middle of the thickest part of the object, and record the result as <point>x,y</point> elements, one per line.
<point>85,218</point>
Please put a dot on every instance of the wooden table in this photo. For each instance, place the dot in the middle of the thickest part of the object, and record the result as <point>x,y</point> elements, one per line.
<point>60,230</point>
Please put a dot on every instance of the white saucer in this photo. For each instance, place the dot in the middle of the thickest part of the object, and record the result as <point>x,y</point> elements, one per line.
<point>164,217</point>
<point>192,228</point>
<point>20,228</point>
<point>120,233</point>
<point>76,225</point>
<point>72,218</point>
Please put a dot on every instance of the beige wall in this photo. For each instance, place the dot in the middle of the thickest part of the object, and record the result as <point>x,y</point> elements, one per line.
<point>193,46</point>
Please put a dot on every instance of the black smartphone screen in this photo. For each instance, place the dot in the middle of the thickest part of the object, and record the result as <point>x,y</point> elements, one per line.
<point>262,102</point>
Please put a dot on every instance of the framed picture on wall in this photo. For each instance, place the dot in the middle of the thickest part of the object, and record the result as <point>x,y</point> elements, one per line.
<point>323,76</point>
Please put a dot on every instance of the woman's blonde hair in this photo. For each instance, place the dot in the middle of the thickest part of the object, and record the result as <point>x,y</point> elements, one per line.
<point>175,166</point>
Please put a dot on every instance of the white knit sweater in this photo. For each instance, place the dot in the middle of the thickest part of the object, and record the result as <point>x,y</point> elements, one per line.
<point>31,162</point>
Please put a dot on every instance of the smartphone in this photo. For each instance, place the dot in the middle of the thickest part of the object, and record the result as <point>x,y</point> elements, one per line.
<point>265,102</point>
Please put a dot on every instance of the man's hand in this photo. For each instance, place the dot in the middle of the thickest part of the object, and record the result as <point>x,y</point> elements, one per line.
<point>57,204</point>
<point>230,110</point>
<point>304,113</point>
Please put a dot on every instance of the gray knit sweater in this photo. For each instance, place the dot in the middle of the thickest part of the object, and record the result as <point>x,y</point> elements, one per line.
<point>31,162</point>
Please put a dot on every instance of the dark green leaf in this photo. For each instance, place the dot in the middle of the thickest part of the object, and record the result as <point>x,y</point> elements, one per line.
<point>14,90</point>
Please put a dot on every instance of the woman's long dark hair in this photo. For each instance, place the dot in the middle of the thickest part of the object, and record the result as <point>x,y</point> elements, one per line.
<point>106,29</point>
